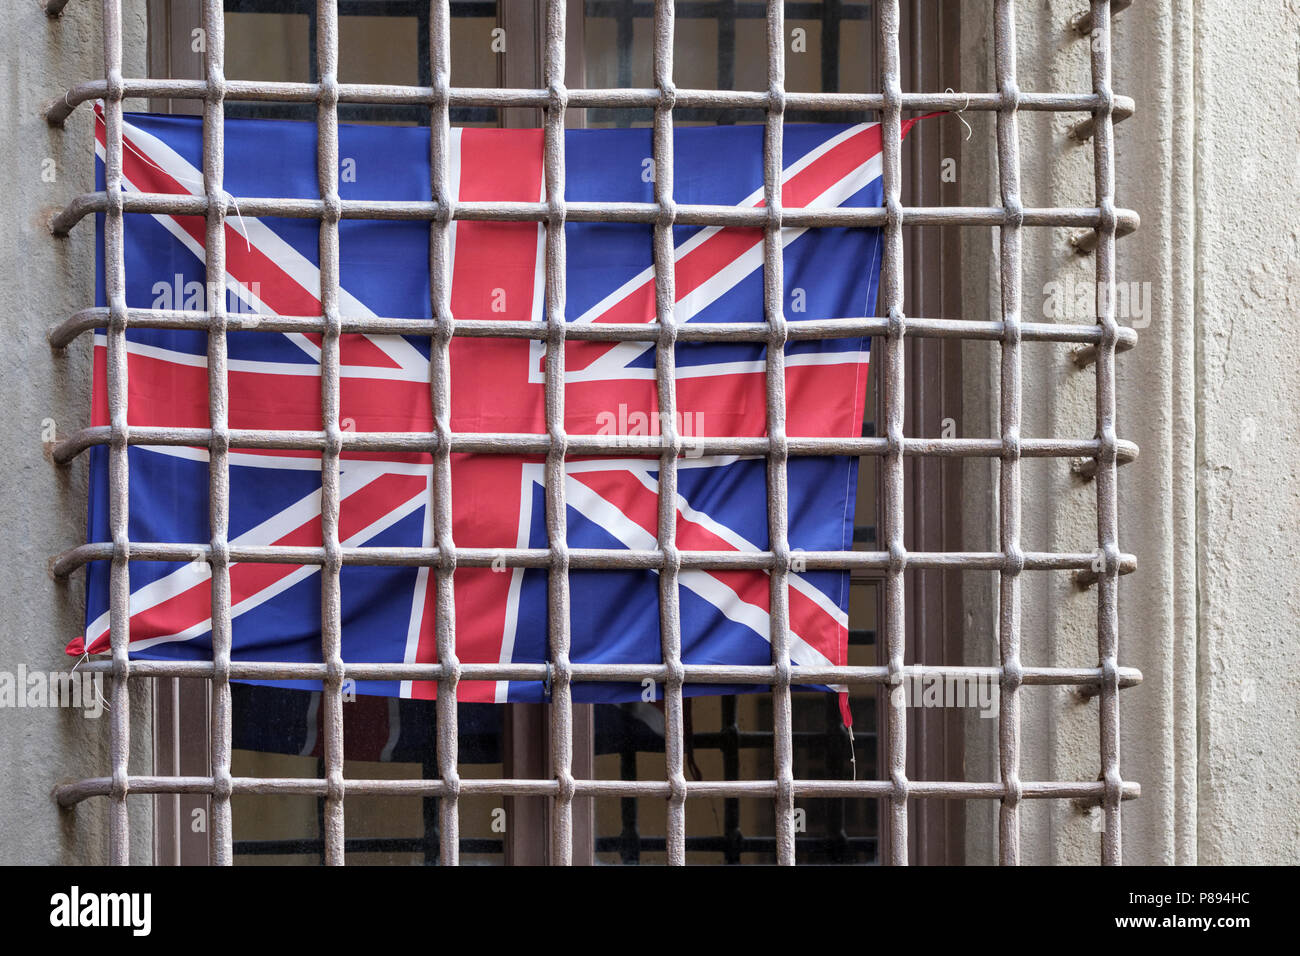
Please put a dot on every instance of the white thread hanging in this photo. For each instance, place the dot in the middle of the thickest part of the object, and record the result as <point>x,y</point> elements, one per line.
<point>85,656</point>
<point>225,194</point>
<point>960,111</point>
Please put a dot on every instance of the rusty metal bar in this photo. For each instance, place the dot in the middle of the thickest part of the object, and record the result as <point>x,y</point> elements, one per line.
<point>70,794</point>
<point>57,112</point>
<point>1008,146</point>
<point>687,215</point>
<point>670,635</point>
<point>582,558</point>
<point>85,320</point>
<point>892,385</point>
<point>554,478</point>
<point>331,629</point>
<point>221,838</point>
<point>119,827</point>
<point>1081,677</point>
<point>441,191</point>
<point>778,514</point>
<point>523,443</point>
<point>1105,477</point>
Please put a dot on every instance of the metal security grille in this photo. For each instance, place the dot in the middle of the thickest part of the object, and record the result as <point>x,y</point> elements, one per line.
<point>1097,345</point>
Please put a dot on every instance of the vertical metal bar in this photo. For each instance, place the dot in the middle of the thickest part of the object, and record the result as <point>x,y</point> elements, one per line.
<point>327,164</point>
<point>665,378</point>
<point>1103,140</point>
<point>892,401</point>
<point>214,151</point>
<point>440,397</point>
<point>119,826</point>
<point>777,502</point>
<point>1008,137</point>
<point>584,715</point>
<point>558,580</point>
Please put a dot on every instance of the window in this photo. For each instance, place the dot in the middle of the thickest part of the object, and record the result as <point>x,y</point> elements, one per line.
<point>902,795</point>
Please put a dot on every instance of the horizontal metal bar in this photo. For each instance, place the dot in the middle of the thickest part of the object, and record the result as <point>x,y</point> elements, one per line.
<point>755,217</point>
<point>620,673</point>
<point>57,112</point>
<point>506,443</point>
<point>583,558</point>
<point>797,330</point>
<point>71,793</point>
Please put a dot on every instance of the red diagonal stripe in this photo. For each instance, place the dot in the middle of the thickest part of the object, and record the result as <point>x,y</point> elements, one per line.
<point>252,268</point>
<point>727,245</point>
<point>356,512</point>
<point>640,505</point>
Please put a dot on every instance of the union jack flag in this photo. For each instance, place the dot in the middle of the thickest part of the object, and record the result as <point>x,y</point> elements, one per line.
<point>496,386</point>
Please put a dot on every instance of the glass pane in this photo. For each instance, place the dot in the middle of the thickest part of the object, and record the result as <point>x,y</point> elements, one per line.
<point>718,46</point>
<point>382,43</point>
<point>380,50</point>
<point>278,733</point>
<point>269,46</point>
